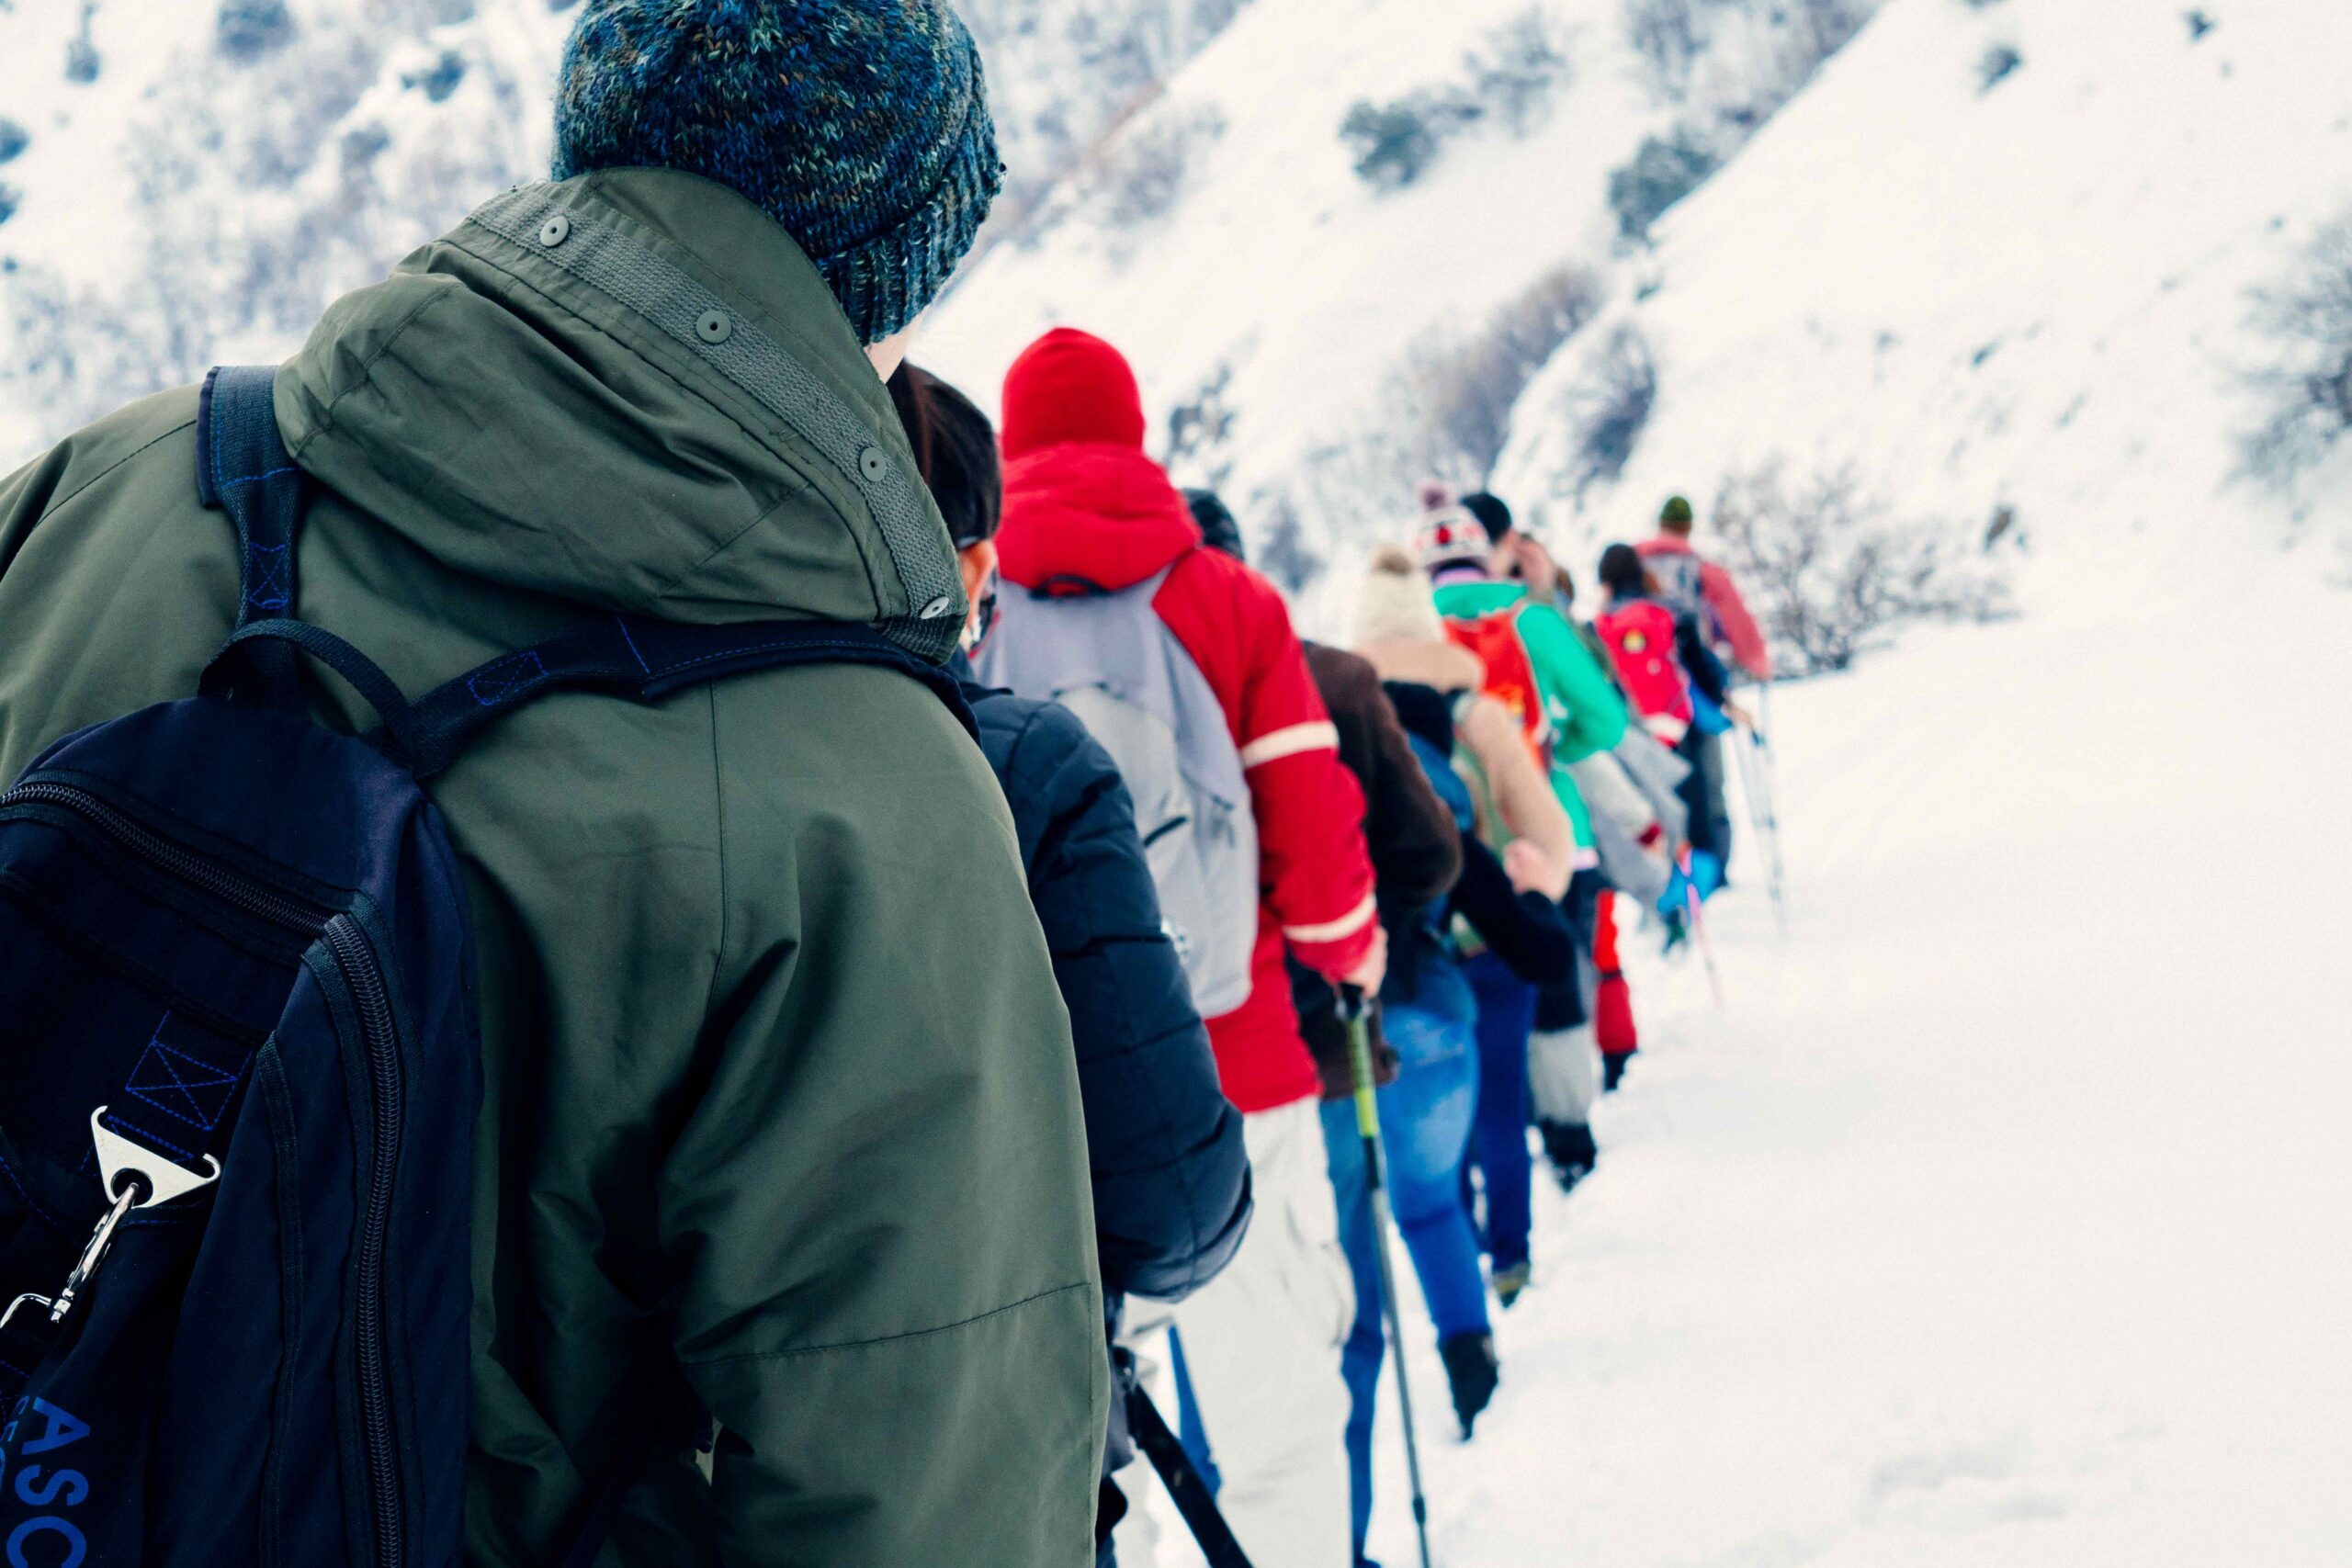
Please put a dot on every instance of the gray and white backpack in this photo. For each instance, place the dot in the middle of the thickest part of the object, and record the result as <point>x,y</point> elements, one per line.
<point>1113,661</point>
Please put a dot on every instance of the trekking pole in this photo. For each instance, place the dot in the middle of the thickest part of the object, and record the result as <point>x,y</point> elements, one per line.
<point>1185,1484</point>
<point>1756,786</point>
<point>1767,766</point>
<point>1697,909</point>
<point>1351,1008</point>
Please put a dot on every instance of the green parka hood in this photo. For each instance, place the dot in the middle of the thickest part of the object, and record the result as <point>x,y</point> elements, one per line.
<point>631,390</point>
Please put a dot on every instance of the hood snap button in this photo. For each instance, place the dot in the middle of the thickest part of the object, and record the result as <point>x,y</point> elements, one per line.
<point>714,327</point>
<point>873,465</point>
<point>938,607</point>
<point>555,231</point>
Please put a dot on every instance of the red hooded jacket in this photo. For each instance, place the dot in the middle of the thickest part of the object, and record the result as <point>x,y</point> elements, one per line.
<point>1084,505</point>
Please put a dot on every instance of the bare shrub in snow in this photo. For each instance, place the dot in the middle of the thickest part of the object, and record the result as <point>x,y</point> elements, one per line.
<point>81,49</point>
<point>2000,62</point>
<point>1670,36</point>
<point>1284,554</point>
<point>1774,49</point>
<point>1510,77</point>
<point>1665,170</point>
<point>2307,316</point>
<point>439,80</point>
<point>1066,75</point>
<point>1821,28</point>
<point>1607,412</point>
<point>1451,400</point>
<point>1803,38</point>
<point>8,201</point>
<point>14,139</point>
<point>257,201</point>
<point>1831,572</point>
<point>1394,143</point>
<point>245,30</point>
<point>1145,172</point>
<point>1200,431</point>
<point>1516,69</point>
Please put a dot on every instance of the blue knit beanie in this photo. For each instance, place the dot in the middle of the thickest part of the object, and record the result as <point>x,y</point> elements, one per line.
<point>862,126</point>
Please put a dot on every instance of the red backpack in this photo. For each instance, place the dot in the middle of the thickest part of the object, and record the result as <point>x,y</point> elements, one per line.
<point>1640,636</point>
<point>1511,674</point>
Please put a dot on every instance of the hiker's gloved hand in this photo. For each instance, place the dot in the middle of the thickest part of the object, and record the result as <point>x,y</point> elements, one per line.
<point>1373,967</point>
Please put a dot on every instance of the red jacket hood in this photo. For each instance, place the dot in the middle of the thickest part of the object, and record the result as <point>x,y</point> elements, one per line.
<point>1093,513</point>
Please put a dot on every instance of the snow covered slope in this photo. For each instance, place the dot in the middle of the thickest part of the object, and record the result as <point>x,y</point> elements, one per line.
<point>1275,273</point>
<point>2030,293</point>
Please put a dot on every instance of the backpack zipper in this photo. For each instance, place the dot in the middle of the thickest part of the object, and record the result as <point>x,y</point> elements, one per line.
<point>363,978</point>
<point>381,1036</point>
<point>144,843</point>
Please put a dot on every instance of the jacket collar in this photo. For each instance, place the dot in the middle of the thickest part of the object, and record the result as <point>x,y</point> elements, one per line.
<point>628,390</point>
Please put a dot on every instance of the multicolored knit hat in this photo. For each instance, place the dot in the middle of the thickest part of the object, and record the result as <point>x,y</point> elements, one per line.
<point>1450,536</point>
<point>862,126</point>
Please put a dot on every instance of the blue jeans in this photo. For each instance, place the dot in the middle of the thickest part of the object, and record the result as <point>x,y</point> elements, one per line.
<point>1499,1142</point>
<point>1424,1127</point>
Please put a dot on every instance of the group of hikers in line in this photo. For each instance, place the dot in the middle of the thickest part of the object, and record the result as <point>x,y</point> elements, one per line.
<point>868,1113</point>
<point>1443,819</point>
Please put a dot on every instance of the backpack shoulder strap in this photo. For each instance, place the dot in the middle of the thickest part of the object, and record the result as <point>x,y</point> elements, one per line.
<point>634,656</point>
<point>242,468</point>
<point>630,656</point>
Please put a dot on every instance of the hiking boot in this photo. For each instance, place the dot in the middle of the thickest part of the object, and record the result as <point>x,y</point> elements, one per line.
<point>1570,1148</point>
<point>1472,1370</point>
<point>1511,1281</point>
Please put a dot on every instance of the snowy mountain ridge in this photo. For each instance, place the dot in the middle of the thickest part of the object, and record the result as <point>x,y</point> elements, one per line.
<point>182,184</point>
<point>1990,257</point>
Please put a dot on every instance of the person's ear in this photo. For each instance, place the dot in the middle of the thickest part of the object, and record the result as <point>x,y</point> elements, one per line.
<point>977,561</point>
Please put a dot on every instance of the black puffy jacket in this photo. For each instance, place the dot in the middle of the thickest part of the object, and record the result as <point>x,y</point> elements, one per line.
<point>1170,1176</point>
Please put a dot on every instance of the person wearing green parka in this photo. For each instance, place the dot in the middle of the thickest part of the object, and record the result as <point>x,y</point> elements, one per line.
<point>781,1131</point>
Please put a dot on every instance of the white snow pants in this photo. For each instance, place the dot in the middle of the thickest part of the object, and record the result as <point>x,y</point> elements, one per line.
<point>1261,1344</point>
<point>1564,1074</point>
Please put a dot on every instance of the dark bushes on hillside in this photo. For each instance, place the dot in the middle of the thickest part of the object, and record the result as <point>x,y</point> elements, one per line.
<point>2307,317</point>
<point>1663,171</point>
<point>1507,78</point>
<point>2001,63</point>
<point>245,30</point>
<point>1613,409</point>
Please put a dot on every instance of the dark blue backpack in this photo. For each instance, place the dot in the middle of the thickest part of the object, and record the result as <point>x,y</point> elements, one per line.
<point>239,1072</point>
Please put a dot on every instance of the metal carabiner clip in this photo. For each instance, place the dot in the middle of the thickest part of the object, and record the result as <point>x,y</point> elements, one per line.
<point>134,1177</point>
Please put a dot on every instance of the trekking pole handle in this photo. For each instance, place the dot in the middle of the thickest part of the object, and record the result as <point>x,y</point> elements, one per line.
<point>1355,1013</point>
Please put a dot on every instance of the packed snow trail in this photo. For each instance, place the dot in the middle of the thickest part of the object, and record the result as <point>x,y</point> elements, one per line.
<point>1999,1217</point>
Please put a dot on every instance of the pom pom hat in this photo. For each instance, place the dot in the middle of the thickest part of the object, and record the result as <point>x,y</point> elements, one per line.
<point>1450,536</point>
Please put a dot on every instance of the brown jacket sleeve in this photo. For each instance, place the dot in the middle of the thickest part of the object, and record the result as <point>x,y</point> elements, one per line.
<point>1416,850</point>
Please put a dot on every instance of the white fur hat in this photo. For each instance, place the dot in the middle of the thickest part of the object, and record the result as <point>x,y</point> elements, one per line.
<point>1395,604</point>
